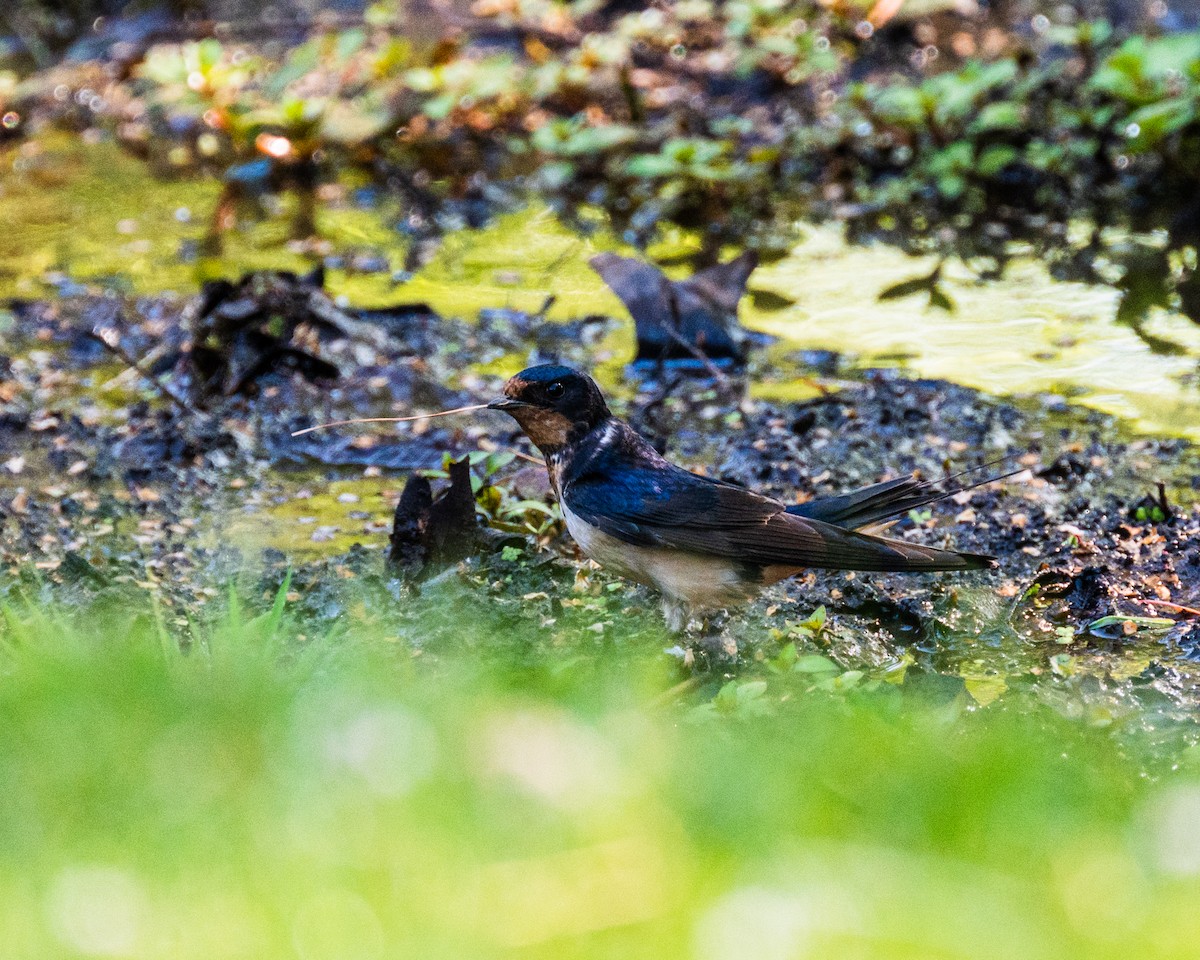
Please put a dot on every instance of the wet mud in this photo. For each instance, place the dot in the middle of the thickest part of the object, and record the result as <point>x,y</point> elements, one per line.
<point>121,483</point>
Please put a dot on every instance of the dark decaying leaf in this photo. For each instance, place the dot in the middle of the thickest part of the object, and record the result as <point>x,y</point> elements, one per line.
<point>401,320</point>
<point>682,320</point>
<point>1144,287</point>
<point>411,520</point>
<point>770,300</point>
<point>255,354</point>
<point>431,533</point>
<point>938,298</point>
<point>909,288</point>
<point>1071,598</point>
<point>930,285</point>
<point>246,330</point>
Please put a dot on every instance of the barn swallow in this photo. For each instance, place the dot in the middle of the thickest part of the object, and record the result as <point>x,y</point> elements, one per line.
<point>704,544</point>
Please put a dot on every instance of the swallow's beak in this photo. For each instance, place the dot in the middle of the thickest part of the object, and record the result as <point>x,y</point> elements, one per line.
<point>507,404</point>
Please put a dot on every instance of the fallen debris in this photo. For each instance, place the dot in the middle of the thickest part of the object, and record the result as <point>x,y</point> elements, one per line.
<point>689,324</point>
<point>431,533</point>
<point>244,330</point>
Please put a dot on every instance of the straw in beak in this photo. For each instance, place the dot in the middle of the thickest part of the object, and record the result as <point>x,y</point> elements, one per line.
<point>506,404</point>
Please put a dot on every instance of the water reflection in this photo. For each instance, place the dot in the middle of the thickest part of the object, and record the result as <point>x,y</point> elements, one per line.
<point>87,212</point>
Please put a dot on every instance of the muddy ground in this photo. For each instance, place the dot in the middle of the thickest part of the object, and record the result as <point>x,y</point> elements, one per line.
<point>163,485</point>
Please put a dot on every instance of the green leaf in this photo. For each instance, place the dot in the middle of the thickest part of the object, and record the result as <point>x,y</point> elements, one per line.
<point>438,108</point>
<point>652,165</point>
<point>355,121</point>
<point>556,175</point>
<point>497,461</point>
<point>785,660</point>
<point>951,186</point>
<point>995,159</point>
<point>815,663</point>
<point>1157,121</point>
<point>349,42</point>
<point>845,681</point>
<point>300,62</point>
<point>208,54</point>
<point>693,150</point>
<point>530,506</point>
<point>708,171</point>
<point>741,698</point>
<point>1150,624</point>
<point>956,159</point>
<point>422,80</point>
<point>1003,115</point>
<point>898,104</point>
<point>570,139</point>
<point>816,620</point>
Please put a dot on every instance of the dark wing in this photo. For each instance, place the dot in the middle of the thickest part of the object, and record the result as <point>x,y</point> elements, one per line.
<point>665,506</point>
<point>892,498</point>
<point>861,508</point>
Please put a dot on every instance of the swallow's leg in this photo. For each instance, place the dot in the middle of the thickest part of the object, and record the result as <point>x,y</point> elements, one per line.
<point>714,637</point>
<point>714,622</point>
<point>676,613</point>
<point>710,645</point>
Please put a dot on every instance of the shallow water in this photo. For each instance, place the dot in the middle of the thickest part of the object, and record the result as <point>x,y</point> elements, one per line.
<point>91,214</point>
<point>1024,334</point>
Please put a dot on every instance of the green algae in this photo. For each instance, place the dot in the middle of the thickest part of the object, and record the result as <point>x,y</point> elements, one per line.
<point>306,516</point>
<point>95,215</point>
<point>1024,334</point>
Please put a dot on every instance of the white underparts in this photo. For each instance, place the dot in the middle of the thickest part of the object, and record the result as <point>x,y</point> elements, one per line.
<point>688,580</point>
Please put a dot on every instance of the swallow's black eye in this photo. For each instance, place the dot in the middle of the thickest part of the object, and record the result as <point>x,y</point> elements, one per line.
<point>555,390</point>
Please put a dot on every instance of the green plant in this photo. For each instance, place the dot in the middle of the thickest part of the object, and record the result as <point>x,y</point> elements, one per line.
<point>726,123</point>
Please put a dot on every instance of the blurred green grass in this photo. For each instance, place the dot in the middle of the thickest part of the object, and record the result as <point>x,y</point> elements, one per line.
<point>275,793</point>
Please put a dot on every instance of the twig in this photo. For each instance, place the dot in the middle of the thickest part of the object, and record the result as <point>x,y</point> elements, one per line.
<point>713,370</point>
<point>1163,503</point>
<point>671,693</point>
<point>1177,607</point>
<point>111,340</point>
<point>526,456</point>
<point>326,311</point>
<point>415,416</point>
<point>545,308</point>
<point>668,387</point>
<point>822,390</point>
<point>672,331</point>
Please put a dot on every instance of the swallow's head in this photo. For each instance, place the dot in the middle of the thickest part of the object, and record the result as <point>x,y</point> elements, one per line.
<point>554,405</point>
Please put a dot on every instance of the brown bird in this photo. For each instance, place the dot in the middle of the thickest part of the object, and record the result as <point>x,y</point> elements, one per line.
<point>702,543</point>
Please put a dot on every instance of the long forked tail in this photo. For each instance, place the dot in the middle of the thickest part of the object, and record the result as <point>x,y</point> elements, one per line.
<point>904,557</point>
<point>891,499</point>
<point>792,543</point>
